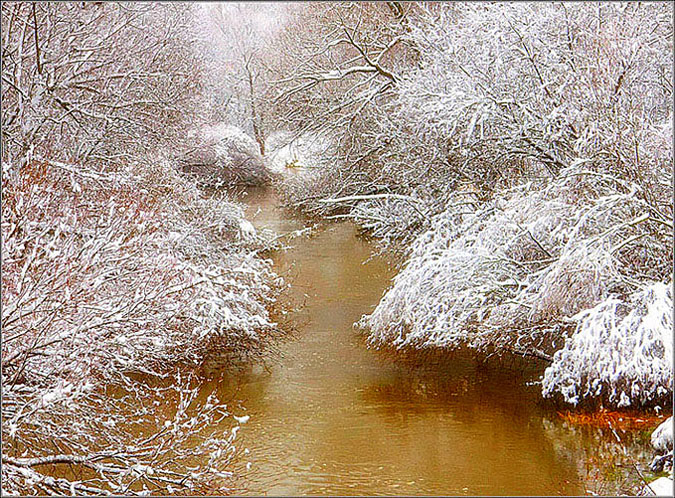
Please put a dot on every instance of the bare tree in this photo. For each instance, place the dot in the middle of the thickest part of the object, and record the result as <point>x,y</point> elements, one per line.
<point>95,82</point>
<point>119,278</point>
<point>341,65</point>
<point>245,33</point>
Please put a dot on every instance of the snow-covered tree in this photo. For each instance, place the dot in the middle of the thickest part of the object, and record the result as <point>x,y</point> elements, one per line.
<point>521,158</point>
<point>238,41</point>
<point>120,279</point>
<point>339,66</point>
<point>96,82</point>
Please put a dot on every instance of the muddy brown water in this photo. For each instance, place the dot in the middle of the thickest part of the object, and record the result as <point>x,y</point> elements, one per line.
<point>331,417</point>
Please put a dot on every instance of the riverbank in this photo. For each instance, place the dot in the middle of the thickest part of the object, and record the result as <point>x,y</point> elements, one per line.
<point>116,288</point>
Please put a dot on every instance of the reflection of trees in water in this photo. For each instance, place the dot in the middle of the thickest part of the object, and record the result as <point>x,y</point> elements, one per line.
<point>489,403</point>
<point>461,415</point>
<point>470,390</point>
<point>600,459</point>
<point>459,377</point>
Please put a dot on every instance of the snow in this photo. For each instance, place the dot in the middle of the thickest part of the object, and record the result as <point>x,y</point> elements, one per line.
<point>247,231</point>
<point>226,132</point>
<point>662,437</point>
<point>630,357</point>
<point>559,244</point>
<point>516,271</point>
<point>289,155</point>
<point>138,289</point>
<point>243,419</point>
<point>223,154</point>
<point>663,486</point>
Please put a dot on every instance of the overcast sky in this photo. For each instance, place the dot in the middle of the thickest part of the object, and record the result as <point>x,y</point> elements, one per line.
<point>235,23</point>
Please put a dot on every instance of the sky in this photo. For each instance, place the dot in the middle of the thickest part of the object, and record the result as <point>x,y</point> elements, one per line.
<point>242,24</point>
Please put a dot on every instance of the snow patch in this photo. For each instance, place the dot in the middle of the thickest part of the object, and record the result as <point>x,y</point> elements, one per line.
<point>662,437</point>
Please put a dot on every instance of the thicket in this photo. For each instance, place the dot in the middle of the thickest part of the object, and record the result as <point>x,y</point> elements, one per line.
<point>119,277</point>
<point>520,157</point>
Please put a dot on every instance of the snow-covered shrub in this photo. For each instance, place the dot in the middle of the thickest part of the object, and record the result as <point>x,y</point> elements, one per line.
<point>165,272</point>
<point>621,350</point>
<point>480,97</point>
<point>223,155</point>
<point>117,275</point>
<point>512,273</point>
<point>556,118</point>
<point>662,437</point>
<point>147,440</point>
<point>107,277</point>
<point>394,221</point>
<point>507,86</point>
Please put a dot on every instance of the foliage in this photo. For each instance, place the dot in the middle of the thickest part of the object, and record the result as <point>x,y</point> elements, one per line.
<point>604,418</point>
<point>521,156</point>
<point>119,277</point>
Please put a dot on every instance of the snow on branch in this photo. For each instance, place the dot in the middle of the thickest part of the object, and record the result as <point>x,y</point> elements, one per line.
<point>621,351</point>
<point>106,281</point>
<point>514,273</point>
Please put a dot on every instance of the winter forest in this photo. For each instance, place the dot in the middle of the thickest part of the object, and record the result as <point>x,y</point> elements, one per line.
<point>337,248</point>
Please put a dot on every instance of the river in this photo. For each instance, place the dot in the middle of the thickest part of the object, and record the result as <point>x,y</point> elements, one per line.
<point>329,416</point>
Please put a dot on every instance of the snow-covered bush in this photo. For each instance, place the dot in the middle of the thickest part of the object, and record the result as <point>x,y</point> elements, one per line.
<point>223,155</point>
<point>621,351</point>
<point>394,220</point>
<point>503,88</point>
<point>480,97</point>
<point>513,273</point>
<point>556,249</point>
<point>138,443</point>
<point>107,277</point>
<point>662,437</point>
<point>119,279</point>
<point>165,273</point>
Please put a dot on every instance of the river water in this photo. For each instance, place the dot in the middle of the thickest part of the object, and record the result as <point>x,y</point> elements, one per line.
<point>330,416</point>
